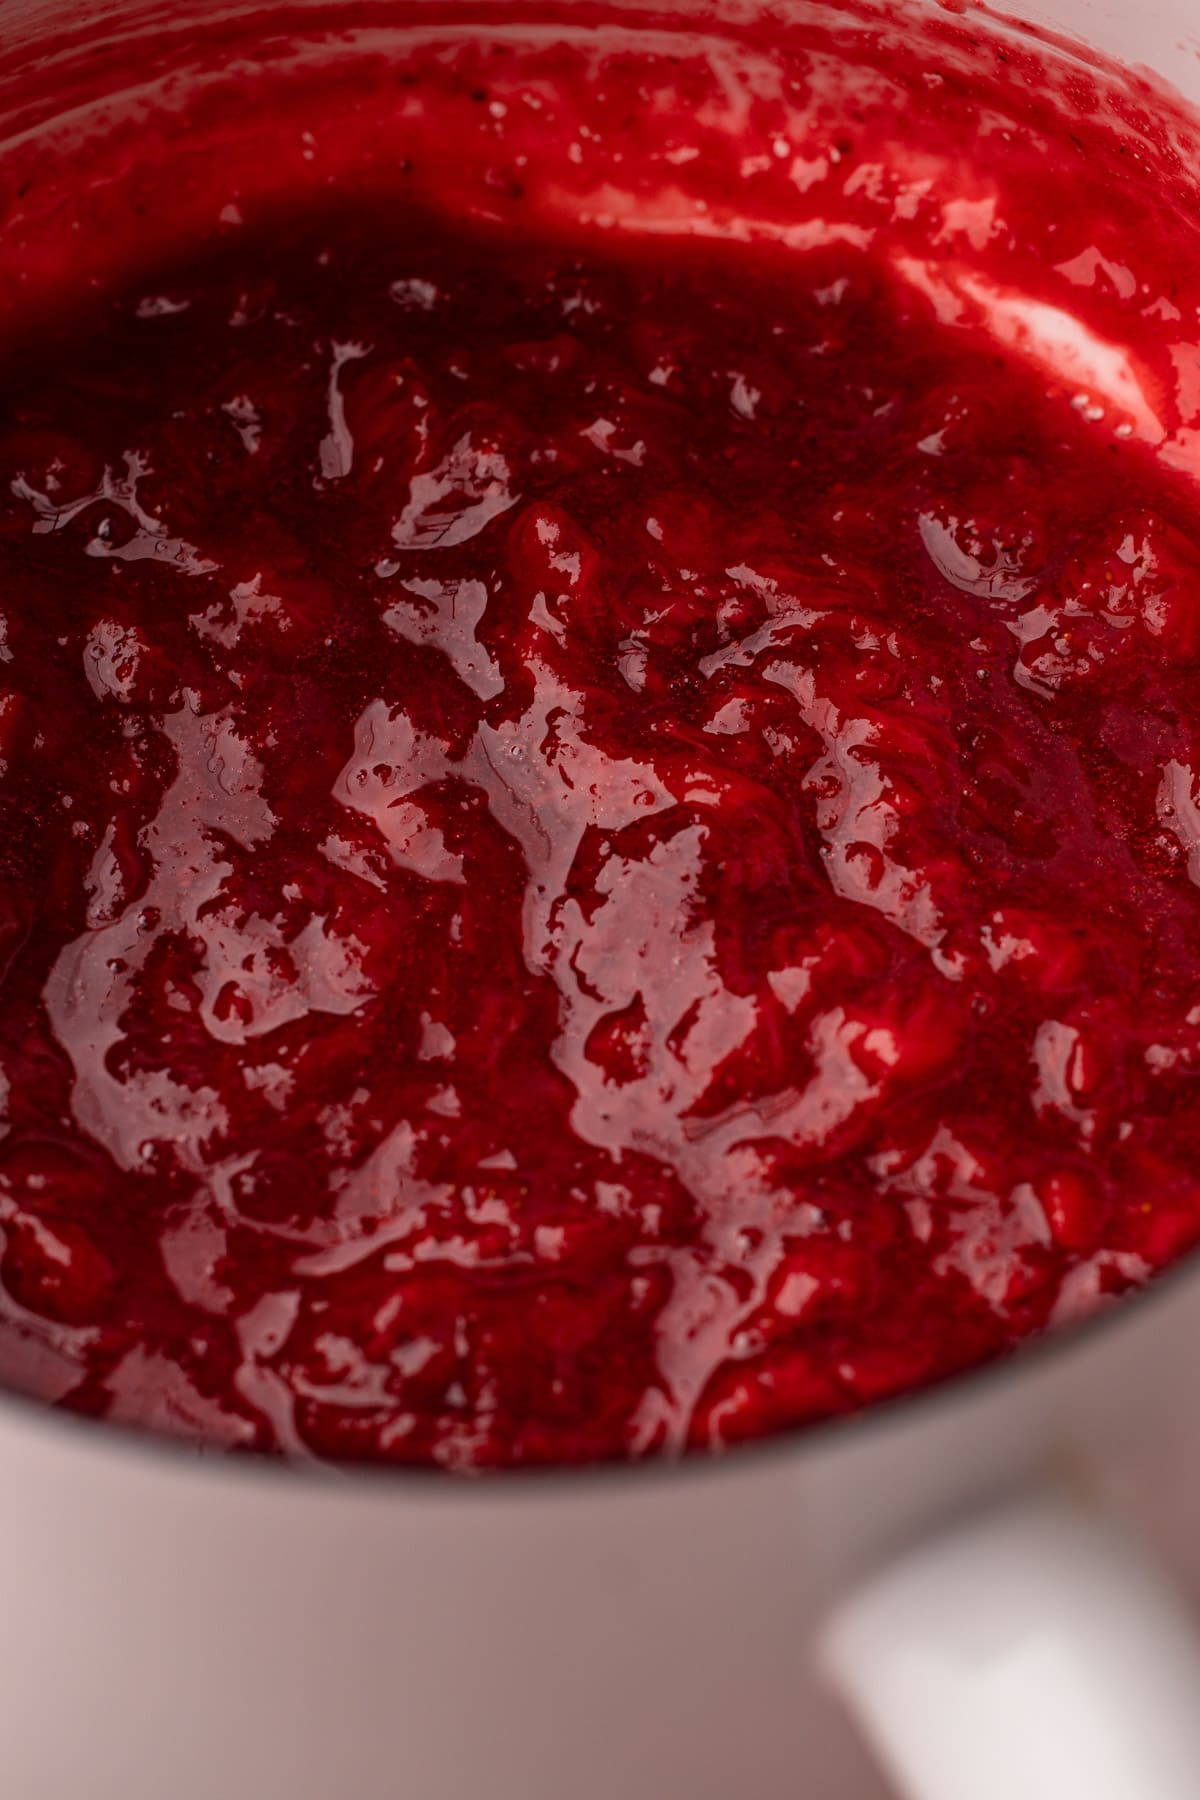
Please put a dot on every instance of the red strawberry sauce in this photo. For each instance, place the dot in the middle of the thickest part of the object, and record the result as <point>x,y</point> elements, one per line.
<point>600,731</point>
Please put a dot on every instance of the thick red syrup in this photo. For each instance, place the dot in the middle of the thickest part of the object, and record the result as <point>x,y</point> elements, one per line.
<point>600,737</point>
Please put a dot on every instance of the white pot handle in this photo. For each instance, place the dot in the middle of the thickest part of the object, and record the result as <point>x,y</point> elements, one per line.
<point>1036,1654</point>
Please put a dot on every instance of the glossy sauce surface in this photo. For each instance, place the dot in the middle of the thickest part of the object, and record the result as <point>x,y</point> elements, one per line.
<point>600,836</point>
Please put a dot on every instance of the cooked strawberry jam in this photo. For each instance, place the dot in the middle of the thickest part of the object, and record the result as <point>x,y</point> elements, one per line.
<point>599,734</point>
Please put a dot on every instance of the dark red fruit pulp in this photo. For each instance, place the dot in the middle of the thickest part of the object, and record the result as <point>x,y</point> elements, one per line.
<point>600,839</point>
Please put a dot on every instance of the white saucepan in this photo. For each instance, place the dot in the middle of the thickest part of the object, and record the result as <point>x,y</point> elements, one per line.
<point>177,1627</point>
